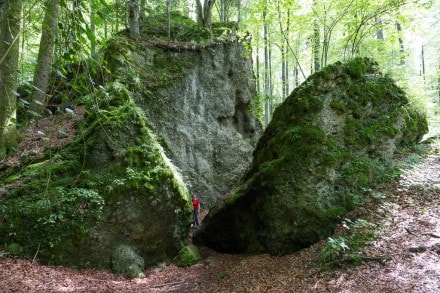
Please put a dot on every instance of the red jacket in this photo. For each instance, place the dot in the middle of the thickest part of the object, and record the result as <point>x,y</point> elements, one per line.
<point>196,204</point>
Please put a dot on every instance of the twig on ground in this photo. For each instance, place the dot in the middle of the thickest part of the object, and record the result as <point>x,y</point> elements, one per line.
<point>36,253</point>
<point>432,235</point>
<point>167,284</point>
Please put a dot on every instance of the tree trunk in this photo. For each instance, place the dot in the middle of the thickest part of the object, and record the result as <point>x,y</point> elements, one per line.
<point>9,55</point>
<point>169,19</point>
<point>286,56</point>
<point>402,50</point>
<point>238,11</point>
<point>379,33</point>
<point>316,47</point>
<point>438,87</point>
<point>423,62</point>
<point>93,29</point>
<point>258,71</point>
<point>223,10</point>
<point>266,68</point>
<point>39,98</point>
<point>204,14</point>
<point>134,19</point>
<point>142,10</point>
<point>283,71</point>
<point>316,43</point>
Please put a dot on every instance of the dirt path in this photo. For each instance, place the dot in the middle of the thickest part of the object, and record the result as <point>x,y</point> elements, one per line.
<point>408,244</point>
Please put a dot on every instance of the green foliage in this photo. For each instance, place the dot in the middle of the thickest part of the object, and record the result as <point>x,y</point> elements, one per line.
<point>345,249</point>
<point>14,249</point>
<point>182,28</point>
<point>48,213</point>
<point>416,124</point>
<point>333,250</point>
<point>162,69</point>
<point>293,133</point>
<point>338,105</point>
<point>61,199</point>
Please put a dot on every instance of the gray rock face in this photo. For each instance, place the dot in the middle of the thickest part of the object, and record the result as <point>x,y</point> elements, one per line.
<point>329,140</point>
<point>125,260</point>
<point>116,197</point>
<point>205,120</point>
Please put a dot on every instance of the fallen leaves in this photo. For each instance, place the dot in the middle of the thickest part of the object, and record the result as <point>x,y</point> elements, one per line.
<point>407,213</point>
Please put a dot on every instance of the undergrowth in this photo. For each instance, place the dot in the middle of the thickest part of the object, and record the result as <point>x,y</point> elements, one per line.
<point>346,249</point>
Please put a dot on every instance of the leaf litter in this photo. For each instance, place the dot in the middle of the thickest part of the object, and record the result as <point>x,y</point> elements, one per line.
<point>405,253</point>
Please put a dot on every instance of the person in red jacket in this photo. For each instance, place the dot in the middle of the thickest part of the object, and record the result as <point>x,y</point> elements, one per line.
<point>196,210</point>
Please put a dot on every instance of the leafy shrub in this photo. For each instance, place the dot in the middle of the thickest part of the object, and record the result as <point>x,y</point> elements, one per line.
<point>346,249</point>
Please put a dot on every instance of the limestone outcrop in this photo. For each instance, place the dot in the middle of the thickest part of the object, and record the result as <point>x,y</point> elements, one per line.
<point>203,120</point>
<point>328,141</point>
<point>164,122</point>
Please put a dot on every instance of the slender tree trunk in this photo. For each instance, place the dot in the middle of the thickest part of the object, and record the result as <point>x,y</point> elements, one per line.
<point>316,47</point>
<point>316,43</point>
<point>93,29</point>
<point>204,13</point>
<point>39,98</point>
<point>134,19</point>
<point>423,62</point>
<point>402,50</point>
<point>238,11</point>
<point>296,75</point>
<point>223,10</point>
<point>169,19</point>
<point>283,71</point>
<point>9,54</point>
<point>286,55</point>
<point>258,71</point>
<point>142,10</point>
<point>379,33</point>
<point>438,86</point>
<point>266,68</point>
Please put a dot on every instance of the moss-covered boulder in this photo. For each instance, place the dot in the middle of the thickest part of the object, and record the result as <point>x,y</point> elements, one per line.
<point>328,141</point>
<point>112,186</point>
<point>197,99</point>
<point>163,117</point>
<point>187,256</point>
<point>125,260</point>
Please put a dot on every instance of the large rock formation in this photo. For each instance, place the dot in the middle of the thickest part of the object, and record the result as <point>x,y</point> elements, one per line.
<point>206,119</point>
<point>112,187</point>
<point>203,119</point>
<point>329,140</point>
<point>115,197</point>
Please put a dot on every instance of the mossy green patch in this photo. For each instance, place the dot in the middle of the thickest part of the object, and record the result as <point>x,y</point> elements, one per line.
<point>187,256</point>
<point>73,194</point>
<point>330,140</point>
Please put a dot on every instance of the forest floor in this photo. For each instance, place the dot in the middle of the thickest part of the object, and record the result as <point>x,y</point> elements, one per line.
<point>403,257</point>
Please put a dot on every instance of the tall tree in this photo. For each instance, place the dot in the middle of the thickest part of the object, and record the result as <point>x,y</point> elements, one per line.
<point>401,48</point>
<point>39,98</point>
<point>204,13</point>
<point>266,66</point>
<point>169,19</point>
<point>134,19</point>
<point>10,13</point>
<point>316,42</point>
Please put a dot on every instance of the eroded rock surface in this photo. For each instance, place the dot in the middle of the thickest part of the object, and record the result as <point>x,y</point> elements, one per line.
<point>327,143</point>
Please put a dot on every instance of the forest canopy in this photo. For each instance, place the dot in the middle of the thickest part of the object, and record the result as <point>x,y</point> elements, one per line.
<point>291,39</point>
